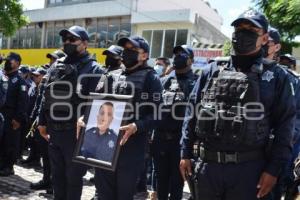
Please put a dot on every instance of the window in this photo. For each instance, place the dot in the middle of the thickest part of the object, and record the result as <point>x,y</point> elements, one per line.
<point>169,43</point>
<point>102,31</point>
<point>113,31</point>
<point>29,42</point>
<point>15,41</point>
<point>57,39</point>
<point>49,35</point>
<point>181,37</point>
<point>125,27</point>
<point>156,44</point>
<point>92,31</point>
<point>162,42</point>
<point>3,41</point>
<point>38,34</point>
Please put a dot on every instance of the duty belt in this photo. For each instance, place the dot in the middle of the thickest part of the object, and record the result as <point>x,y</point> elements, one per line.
<point>230,157</point>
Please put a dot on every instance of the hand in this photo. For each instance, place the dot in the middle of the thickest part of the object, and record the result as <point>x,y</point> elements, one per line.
<point>15,124</point>
<point>185,168</point>
<point>80,124</point>
<point>43,132</point>
<point>129,129</point>
<point>265,184</point>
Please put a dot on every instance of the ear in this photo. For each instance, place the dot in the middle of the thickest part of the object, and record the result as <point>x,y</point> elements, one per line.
<point>145,56</point>
<point>278,47</point>
<point>265,38</point>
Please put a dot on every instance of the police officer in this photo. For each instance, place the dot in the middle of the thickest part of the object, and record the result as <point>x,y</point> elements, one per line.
<point>162,66</point>
<point>167,137</point>
<point>114,68</point>
<point>59,128</point>
<point>3,89</point>
<point>235,160</point>
<point>147,88</point>
<point>41,143</point>
<point>57,54</point>
<point>14,111</point>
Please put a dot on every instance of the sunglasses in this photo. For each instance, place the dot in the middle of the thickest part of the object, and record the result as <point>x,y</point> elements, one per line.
<point>70,38</point>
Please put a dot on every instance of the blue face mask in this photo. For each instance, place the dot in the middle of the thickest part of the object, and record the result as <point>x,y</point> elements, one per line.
<point>159,69</point>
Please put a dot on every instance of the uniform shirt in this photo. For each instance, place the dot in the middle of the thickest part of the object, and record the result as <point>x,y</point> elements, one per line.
<point>3,88</point>
<point>16,98</point>
<point>277,97</point>
<point>99,146</point>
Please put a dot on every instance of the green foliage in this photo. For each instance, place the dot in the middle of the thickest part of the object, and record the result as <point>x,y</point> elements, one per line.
<point>285,16</point>
<point>227,48</point>
<point>11,17</point>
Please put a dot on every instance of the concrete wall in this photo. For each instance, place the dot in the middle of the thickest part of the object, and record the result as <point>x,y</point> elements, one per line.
<point>197,6</point>
<point>84,10</point>
<point>296,53</point>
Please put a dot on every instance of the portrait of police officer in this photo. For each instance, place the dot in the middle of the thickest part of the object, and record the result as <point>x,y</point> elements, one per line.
<point>240,156</point>
<point>99,142</point>
<point>166,143</point>
<point>141,81</point>
<point>57,124</point>
<point>14,112</point>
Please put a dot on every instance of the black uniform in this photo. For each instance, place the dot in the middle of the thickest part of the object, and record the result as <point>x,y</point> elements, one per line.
<point>166,144</point>
<point>13,108</point>
<point>121,183</point>
<point>3,89</point>
<point>99,146</point>
<point>66,175</point>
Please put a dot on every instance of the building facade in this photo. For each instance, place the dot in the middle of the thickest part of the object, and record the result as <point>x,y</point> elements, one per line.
<point>164,23</point>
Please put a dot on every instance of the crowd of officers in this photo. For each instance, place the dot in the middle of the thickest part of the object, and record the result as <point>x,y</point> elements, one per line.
<point>206,137</point>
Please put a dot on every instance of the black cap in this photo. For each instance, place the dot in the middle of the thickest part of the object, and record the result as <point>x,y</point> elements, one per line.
<point>13,56</point>
<point>77,31</point>
<point>56,54</point>
<point>24,69</point>
<point>289,57</point>
<point>40,71</point>
<point>188,50</point>
<point>254,17</point>
<point>274,35</point>
<point>136,41</point>
<point>113,49</point>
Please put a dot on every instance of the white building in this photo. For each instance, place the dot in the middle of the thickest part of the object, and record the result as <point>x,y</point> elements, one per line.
<point>164,23</point>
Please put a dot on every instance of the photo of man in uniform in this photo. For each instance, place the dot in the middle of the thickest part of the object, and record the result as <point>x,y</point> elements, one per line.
<point>100,141</point>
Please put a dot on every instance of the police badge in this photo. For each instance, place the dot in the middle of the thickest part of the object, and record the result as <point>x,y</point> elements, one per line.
<point>267,76</point>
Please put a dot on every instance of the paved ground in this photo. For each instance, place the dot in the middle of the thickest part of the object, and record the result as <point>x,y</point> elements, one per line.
<point>16,187</point>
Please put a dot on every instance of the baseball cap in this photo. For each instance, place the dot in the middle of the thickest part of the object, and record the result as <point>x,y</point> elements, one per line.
<point>274,35</point>
<point>77,31</point>
<point>113,49</point>
<point>13,56</point>
<point>184,48</point>
<point>254,17</point>
<point>56,54</point>
<point>39,71</point>
<point>24,69</point>
<point>136,41</point>
<point>291,58</point>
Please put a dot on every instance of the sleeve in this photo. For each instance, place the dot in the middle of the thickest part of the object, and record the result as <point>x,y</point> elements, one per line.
<point>22,102</point>
<point>89,84</point>
<point>282,119</point>
<point>148,120</point>
<point>296,133</point>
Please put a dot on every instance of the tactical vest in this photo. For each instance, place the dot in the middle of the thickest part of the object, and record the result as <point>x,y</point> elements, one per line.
<point>133,83</point>
<point>173,94</point>
<point>224,112</point>
<point>107,82</point>
<point>3,89</point>
<point>61,89</point>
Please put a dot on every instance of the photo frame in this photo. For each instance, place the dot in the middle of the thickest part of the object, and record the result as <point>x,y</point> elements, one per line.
<point>98,144</point>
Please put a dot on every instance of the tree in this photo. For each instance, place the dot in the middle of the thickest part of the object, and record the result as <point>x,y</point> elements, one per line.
<point>11,17</point>
<point>227,48</point>
<point>285,16</point>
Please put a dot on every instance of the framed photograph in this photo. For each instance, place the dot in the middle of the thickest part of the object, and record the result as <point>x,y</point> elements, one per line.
<point>99,141</point>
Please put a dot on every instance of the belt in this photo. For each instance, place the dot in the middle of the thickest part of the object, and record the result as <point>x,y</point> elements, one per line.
<point>230,157</point>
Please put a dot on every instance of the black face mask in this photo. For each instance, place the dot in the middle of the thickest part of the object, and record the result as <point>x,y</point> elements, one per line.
<point>265,50</point>
<point>180,61</point>
<point>130,58</point>
<point>111,62</point>
<point>7,66</point>
<point>70,49</point>
<point>244,41</point>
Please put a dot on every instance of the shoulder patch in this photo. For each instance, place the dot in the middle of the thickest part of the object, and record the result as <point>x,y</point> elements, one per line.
<point>14,80</point>
<point>23,88</point>
<point>267,76</point>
